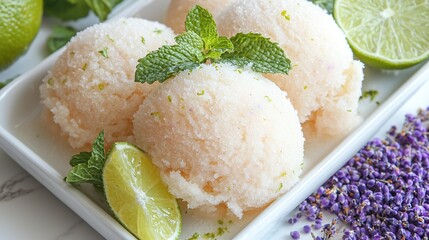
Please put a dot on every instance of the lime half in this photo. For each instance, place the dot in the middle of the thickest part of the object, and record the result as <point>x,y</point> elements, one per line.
<point>138,196</point>
<point>389,34</point>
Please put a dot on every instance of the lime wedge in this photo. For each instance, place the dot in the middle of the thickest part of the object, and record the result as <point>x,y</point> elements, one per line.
<point>138,196</point>
<point>389,34</point>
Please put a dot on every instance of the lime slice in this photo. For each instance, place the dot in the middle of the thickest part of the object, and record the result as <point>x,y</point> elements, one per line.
<point>389,34</point>
<point>138,196</point>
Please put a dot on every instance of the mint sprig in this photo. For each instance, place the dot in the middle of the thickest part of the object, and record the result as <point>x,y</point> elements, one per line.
<point>87,167</point>
<point>201,43</point>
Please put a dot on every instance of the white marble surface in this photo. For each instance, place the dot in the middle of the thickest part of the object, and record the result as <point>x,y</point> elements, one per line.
<point>30,211</point>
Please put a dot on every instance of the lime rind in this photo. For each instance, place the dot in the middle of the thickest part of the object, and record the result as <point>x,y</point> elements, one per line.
<point>137,195</point>
<point>386,34</point>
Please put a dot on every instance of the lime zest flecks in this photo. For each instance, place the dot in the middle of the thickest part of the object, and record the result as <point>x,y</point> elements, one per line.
<point>110,38</point>
<point>155,114</point>
<point>223,227</point>
<point>104,52</point>
<point>201,93</point>
<point>285,15</point>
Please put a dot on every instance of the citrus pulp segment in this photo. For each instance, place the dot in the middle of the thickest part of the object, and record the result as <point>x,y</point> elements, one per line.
<point>138,196</point>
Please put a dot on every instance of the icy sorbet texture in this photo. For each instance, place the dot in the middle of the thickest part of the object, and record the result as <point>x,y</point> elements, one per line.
<point>91,86</point>
<point>324,83</point>
<point>222,137</point>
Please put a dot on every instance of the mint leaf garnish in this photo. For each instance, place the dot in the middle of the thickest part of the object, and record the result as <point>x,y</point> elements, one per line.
<point>75,9</point>
<point>87,167</point>
<point>59,37</point>
<point>167,61</point>
<point>65,9</point>
<point>201,43</point>
<point>259,52</point>
<point>102,8</point>
<point>219,46</point>
<point>201,22</point>
<point>191,39</point>
<point>3,84</point>
<point>82,157</point>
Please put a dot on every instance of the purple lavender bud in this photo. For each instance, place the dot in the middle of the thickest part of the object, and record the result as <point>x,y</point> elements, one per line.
<point>295,235</point>
<point>292,220</point>
<point>332,197</point>
<point>421,193</point>
<point>306,229</point>
<point>419,231</point>
<point>378,197</point>
<point>317,226</point>
<point>335,208</point>
<point>370,183</point>
<point>341,198</point>
<point>324,202</point>
<point>398,200</point>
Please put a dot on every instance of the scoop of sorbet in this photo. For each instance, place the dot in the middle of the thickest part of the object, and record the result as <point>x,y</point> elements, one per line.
<point>324,84</point>
<point>91,86</point>
<point>222,137</point>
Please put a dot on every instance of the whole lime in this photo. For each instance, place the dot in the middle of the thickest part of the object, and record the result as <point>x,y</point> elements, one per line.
<point>19,23</point>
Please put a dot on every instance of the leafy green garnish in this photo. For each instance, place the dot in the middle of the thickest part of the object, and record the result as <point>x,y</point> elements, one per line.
<point>75,9</point>
<point>87,167</point>
<point>328,5</point>
<point>59,37</point>
<point>66,9</point>
<point>167,61</point>
<point>102,8</point>
<point>4,83</point>
<point>201,43</point>
<point>259,52</point>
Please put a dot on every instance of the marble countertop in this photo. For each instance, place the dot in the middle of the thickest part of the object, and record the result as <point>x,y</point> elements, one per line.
<point>29,211</point>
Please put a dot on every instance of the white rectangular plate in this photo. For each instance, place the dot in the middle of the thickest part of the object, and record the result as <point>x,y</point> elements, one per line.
<point>27,138</point>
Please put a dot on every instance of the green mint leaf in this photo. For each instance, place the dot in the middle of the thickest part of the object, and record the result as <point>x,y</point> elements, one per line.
<point>218,46</point>
<point>59,37</point>
<point>76,9</point>
<point>201,22</point>
<point>4,83</point>
<point>191,39</point>
<point>328,5</point>
<point>66,9</point>
<point>88,167</point>
<point>102,8</point>
<point>259,52</point>
<point>82,157</point>
<point>166,62</point>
